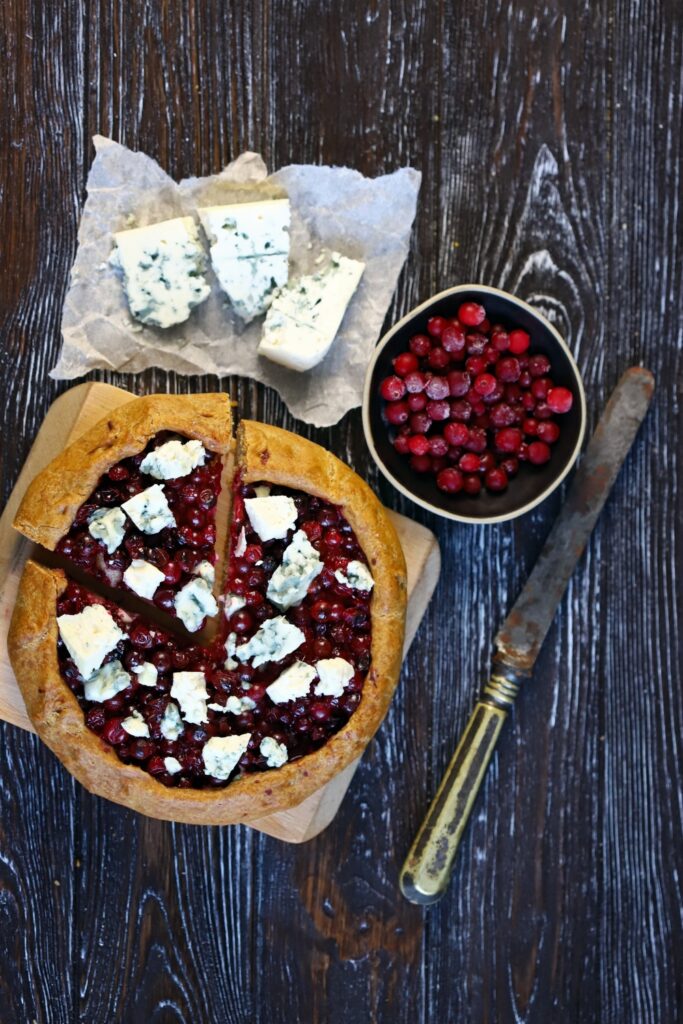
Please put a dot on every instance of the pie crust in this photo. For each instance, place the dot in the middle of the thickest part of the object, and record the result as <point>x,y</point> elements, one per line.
<point>266,454</point>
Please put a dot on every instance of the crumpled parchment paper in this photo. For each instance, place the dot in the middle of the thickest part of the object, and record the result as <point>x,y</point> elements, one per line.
<point>332,207</point>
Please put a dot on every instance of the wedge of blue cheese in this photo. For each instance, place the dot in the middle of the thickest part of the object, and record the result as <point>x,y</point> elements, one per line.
<point>173,460</point>
<point>304,317</point>
<point>163,269</point>
<point>221,754</point>
<point>249,244</point>
<point>89,636</point>
<point>273,641</point>
<point>300,565</point>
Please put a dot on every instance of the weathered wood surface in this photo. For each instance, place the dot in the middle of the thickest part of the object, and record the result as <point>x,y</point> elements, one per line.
<point>549,139</point>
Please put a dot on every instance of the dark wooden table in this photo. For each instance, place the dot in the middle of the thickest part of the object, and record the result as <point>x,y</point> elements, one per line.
<point>549,137</point>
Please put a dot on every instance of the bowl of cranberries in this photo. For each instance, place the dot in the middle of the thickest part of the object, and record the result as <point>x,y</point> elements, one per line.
<point>474,406</point>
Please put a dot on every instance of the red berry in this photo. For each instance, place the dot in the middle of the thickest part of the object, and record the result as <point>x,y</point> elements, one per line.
<point>548,431</point>
<point>416,403</point>
<point>496,479</point>
<point>401,444</point>
<point>437,387</point>
<point>510,465</point>
<point>418,444</point>
<point>421,463</point>
<point>519,342</point>
<point>420,423</point>
<point>539,452</point>
<point>484,384</point>
<point>500,340</point>
<point>453,339</point>
<point>392,388</point>
<point>450,480</point>
<point>530,426</point>
<point>471,314</point>
<point>438,445</point>
<point>502,415</point>
<point>494,396</point>
<point>439,410</point>
<point>459,383</point>
<point>436,325</point>
<point>476,344</point>
<point>469,463</point>
<point>405,363</point>
<point>420,344</point>
<point>471,485</point>
<point>508,369</point>
<point>539,365</point>
<point>438,359</point>
<point>396,412</point>
<point>415,382</point>
<point>543,411</point>
<point>560,399</point>
<point>509,440</point>
<point>461,410</point>
<point>540,387</point>
<point>456,433</point>
<point>475,365</point>
<point>476,442</point>
<point>487,461</point>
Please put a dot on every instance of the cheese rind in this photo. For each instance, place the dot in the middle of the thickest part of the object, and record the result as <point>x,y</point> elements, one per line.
<point>174,459</point>
<point>108,526</point>
<point>189,689</point>
<point>304,317</point>
<point>221,754</point>
<point>272,517</point>
<point>163,269</point>
<point>273,641</point>
<point>89,636</point>
<point>334,674</point>
<point>194,602</point>
<point>291,684</point>
<point>149,510</point>
<point>300,565</point>
<point>111,679</point>
<point>143,578</point>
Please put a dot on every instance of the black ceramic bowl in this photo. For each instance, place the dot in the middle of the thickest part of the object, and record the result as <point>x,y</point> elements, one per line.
<point>533,483</point>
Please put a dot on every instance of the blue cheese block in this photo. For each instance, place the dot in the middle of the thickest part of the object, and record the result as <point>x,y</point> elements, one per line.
<point>249,251</point>
<point>304,317</point>
<point>221,754</point>
<point>163,270</point>
<point>273,641</point>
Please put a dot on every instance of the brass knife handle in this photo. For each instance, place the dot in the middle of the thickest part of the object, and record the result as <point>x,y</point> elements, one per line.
<point>427,868</point>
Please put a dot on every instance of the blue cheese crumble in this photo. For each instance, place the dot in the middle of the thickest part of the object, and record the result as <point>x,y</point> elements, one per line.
<point>271,517</point>
<point>357,577</point>
<point>143,578</point>
<point>149,510</point>
<point>291,684</point>
<point>163,269</point>
<point>194,602</point>
<point>173,460</point>
<point>146,673</point>
<point>108,526</point>
<point>221,754</point>
<point>171,725</point>
<point>273,641</point>
<point>111,679</point>
<point>274,752</point>
<point>300,565</point>
<point>334,674</point>
<point>189,689</point>
<point>89,636</point>
<point>135,725</point>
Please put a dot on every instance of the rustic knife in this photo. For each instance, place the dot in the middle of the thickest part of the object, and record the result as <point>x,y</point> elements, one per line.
<point>427,868</point>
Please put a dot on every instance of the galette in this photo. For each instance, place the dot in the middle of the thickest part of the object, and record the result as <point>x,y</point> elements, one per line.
<point>219,630</point>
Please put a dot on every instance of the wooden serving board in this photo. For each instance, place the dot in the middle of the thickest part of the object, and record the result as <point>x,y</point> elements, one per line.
<point>72,414</point>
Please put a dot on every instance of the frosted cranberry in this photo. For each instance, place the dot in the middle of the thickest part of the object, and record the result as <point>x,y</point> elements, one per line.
<point>119,472</point>
<point>392,388</point>
<point>437,387</point>
<point>449,480</point>
<point>519,342</point>
<point>528,402</point>
<point>560,400</point>
<point>510,465</point>
<point>540,387</point>
<point>513,393</point>
<point>523,453</point>
<point>484,384</point>
<point>438,445</point>
<point>487,461</point>
<point>453,339</point>
<point>471,485</point>
<point>539,452</point>
<point>421,463</point>
<point>509,439</point>
<point>113,733</point>
<point>548,431</point>
<point>459,383</point>
<point>476,442</point>
<point>418,444</point>
<point>420,422</point>
<point>439,462</point>
<point>165,598</point>
<point>461,410</point>
<point>530,426</point>
<point>475,365</point>
<point>396,412</point>
<point>500,340</point>
<point>543,411</point>
<point>438,410</point>
<point>420,344</point>
<point>471,314</point>
<point>456,433</point>
<point>483,421</point>
<point>436,325</point>
<point>469,463</point>
<point>539,365</point>
<point>416,403</point>
<point>494,396</point>
<point>415,382</point>
<point>502,415</point>
<point>508,369</point>
<point>405,363</point>
<point>438,359</point>
<point>496,479</point>
<point>476,344</point>
<point>524,379</point>
<point>401,444</point>
<point>491,355</point>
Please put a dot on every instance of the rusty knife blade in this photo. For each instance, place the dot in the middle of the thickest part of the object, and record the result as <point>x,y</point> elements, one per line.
<point>519,639</point>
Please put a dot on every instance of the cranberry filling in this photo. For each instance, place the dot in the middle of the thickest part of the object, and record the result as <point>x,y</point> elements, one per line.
<point>174,551</point>
<point>334,618</point>
<point>469,401</point>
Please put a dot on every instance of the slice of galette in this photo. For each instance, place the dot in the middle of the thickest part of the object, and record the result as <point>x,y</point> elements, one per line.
<point>287,694</point>
<point>133,502</point>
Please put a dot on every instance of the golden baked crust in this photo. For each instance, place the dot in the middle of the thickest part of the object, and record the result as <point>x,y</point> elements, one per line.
<point>264,453</point>
<point>52,500</point>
